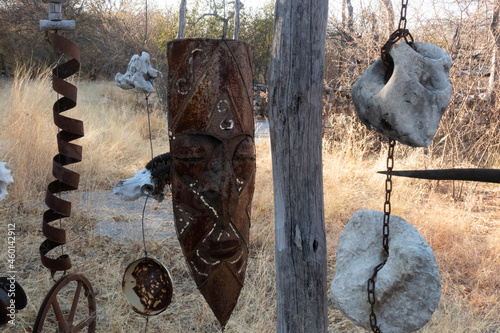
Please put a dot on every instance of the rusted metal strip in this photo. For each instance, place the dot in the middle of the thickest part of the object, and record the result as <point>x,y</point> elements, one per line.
<point>477,175</point>
<point>69,153</point>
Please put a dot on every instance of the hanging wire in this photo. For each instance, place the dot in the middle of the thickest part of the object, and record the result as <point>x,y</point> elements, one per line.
<point>143,229</point>
<point>150,144</point>
<point>59,194</point>
<point>149,125</point>
<point>146,29</point>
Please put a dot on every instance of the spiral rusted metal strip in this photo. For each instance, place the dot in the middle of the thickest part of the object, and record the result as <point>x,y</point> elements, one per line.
<point>66,180</point>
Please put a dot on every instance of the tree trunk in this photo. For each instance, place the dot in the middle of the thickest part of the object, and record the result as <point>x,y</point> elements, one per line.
<point>390,15</point>
<point>296,86</point>
<point>495,31</point>
<point>236,19</point>
<point>350,32</point>
<point>182,19</point>
<point>350,17</point>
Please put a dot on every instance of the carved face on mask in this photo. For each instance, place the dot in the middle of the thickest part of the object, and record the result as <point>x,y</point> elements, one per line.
<point>213,163</point>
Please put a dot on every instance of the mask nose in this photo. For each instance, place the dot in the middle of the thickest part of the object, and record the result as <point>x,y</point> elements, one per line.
<point>218,187</point>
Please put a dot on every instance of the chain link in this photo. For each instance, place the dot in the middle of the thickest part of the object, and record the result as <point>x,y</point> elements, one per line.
<point>401,32</point>
<point>388,190</point>
<point>402,20</point>
<point>385,236</point>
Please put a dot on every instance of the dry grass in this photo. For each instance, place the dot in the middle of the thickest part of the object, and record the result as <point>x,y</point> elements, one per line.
<point>461,223</point>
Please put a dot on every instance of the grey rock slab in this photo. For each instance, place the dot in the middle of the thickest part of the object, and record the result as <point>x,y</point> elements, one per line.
<point>409,106</point>
<point>407,288</point>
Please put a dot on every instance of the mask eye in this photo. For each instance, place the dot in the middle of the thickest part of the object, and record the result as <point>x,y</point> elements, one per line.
<point>188,151</point>
<point>190,154</point>
<point>244,160</point>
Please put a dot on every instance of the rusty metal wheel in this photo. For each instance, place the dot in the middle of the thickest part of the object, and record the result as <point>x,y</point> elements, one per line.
<point>75,319</point>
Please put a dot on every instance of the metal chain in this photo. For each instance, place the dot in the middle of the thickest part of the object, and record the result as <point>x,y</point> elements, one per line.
<point>401,32</point>
<point>402,20</point>
<point>388,190</point>
<point>385,237</point>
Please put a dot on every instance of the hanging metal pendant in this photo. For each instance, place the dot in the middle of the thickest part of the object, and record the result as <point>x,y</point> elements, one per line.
<point>213,162</point>
<point>147,286</point>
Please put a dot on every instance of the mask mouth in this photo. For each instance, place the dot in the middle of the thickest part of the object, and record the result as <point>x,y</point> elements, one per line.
<point>220,245</point>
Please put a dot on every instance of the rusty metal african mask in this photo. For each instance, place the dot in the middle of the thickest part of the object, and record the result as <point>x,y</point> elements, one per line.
<point>213,162</point>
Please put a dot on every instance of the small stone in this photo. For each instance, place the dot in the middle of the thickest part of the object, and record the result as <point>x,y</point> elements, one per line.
<point>407,288</point>
<point>140,74</point>
<point>409,106</point>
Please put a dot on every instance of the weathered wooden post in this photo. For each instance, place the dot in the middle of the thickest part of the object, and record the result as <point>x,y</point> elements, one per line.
<point>237,7</point>
<point>182,19</point>
<point>296,86</point>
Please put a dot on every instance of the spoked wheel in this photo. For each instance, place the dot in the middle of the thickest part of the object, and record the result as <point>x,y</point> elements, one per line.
<point>76,318</point>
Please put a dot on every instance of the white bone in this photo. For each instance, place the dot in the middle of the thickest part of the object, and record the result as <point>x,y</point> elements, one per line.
<point>5,179</point>
<point>409,106</point>
<point>140,74</point>
<point>140,185</point>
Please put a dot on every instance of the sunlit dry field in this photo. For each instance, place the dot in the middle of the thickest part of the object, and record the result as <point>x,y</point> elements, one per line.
<point>460,221</point>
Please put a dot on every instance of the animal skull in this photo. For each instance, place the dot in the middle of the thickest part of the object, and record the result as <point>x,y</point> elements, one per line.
<point>5,179</point>
<point>151,181</point>
<point>140,74</point>
<point>409,106</point>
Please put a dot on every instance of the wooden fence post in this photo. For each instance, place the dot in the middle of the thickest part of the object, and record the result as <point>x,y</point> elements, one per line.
<point>182,19</point>
<point>295,105</point>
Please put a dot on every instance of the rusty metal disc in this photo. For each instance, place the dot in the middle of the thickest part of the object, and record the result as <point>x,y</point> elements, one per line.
<point>148,287</point>
<point>70,319</point>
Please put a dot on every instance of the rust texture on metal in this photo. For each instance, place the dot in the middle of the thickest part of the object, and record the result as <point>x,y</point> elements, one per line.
<point>10,293</point>
<point>147,286</point>
<point>74,320</point>
<point>211,130</point>
<point>66,180</point>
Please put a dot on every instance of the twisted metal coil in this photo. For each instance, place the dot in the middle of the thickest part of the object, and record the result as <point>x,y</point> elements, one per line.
<point>66,180</point>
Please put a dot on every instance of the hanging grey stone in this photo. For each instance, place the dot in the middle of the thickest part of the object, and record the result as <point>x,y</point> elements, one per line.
<point>407,288</point>
<point>409,106</point>
<point>140,74</point>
